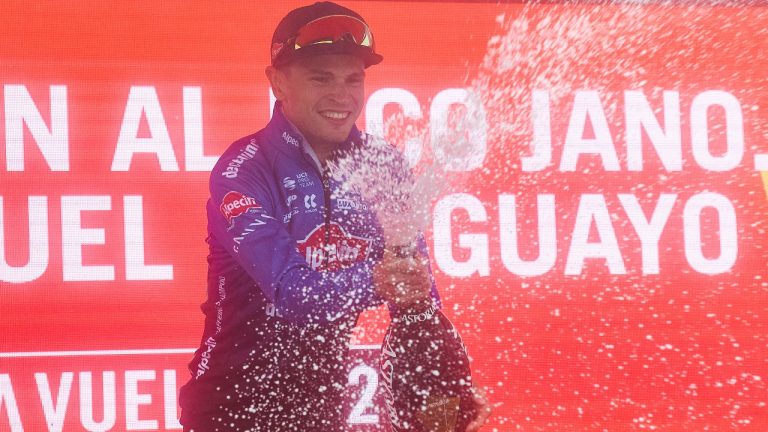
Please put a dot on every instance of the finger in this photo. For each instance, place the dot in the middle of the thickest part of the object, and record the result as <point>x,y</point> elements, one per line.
<point>404,274</point>
<point>402,267</point>
<point>408,261</point>
<point>413,267</point>
<point>484,410</point>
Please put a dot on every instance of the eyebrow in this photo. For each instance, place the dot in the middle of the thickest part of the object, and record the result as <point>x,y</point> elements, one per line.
<point>360,74</point>
<point>319,72</point>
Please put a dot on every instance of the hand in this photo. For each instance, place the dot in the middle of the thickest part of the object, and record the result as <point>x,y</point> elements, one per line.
<point>483,407</point>
<point>402,281</point>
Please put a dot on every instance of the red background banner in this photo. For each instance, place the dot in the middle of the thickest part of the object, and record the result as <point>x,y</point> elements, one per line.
<point>604,259</point>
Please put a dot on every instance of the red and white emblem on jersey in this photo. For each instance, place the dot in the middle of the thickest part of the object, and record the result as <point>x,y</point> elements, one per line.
<point>342,249</point>
<point>235,204</point>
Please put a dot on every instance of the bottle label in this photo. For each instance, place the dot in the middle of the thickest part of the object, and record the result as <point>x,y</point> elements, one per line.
<point>387,372</point>
<point>415,316</point>
<point>440,414</point>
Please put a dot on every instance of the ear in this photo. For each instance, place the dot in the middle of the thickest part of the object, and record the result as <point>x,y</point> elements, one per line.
<point>276,79</point>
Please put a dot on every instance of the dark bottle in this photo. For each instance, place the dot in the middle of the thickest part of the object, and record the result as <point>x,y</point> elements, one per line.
<point>425,371</point>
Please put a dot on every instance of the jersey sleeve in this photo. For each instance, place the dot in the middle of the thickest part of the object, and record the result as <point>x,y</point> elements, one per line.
<point>242,218</point>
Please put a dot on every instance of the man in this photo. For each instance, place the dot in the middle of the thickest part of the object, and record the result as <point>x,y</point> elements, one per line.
<point>290,269</point>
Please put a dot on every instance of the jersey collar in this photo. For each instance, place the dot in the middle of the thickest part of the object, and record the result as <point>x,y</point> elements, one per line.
<point>291,142</point>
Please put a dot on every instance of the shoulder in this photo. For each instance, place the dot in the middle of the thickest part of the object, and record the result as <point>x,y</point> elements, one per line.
<point>238,157</point>
<point>243,167</point>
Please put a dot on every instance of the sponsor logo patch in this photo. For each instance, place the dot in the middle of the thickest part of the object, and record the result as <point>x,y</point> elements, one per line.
<point>276,47</point>
<point>205,357</point>
<point>304,180</point>
<point>247,153</point>
<point>290,140</point>
<point>309,202</point>
<point>235,204</point>
<point>423,316</point>
<point>348,204</point>
<point>341,250</point>
<point>289,183</point>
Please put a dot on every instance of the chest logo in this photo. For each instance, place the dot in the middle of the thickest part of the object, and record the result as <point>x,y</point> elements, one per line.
<point>341,249</point>
<point>235,204</point>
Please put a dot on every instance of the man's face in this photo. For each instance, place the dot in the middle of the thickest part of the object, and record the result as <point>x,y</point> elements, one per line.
<point>321,95</point>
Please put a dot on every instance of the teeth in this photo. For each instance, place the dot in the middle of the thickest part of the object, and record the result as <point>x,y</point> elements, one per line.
<point>335,115</point>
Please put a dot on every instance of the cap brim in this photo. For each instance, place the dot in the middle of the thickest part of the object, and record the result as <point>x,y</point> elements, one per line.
<point>369,57</point>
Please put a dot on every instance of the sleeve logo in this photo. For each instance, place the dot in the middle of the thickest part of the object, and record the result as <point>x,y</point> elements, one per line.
<point>235,204</point>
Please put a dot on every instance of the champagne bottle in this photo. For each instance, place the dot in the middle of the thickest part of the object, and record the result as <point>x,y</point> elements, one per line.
<point>425,371</point>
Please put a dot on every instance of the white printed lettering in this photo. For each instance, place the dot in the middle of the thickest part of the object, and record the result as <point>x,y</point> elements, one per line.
<point>587,105</point>
<point>460,148</point>
<point>8,400</point>
<point>86,402</point>
<point>547,239</point>
<point>374,117</point>
<point>667,142</point>
<point>728,233</point>
<point>74,237</point>
<point>144,101</point>
<point>54,411</point>
<point>135,267</point>
<point>592,208</point>
<point>171,416</point>
<point>38,243</point>
<point>649,231</point>
<point>194,159</point>
<point>133,399</point>
<point>53,143</point>
<point>542,133</point>
<point>477,244</point>
<point>734,130</point>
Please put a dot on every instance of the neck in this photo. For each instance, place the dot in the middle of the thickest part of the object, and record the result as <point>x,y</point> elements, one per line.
<point>321,148</point>
<point>323,152</point>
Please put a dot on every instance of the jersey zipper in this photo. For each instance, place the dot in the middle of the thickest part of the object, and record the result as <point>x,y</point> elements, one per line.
<point>327,197</point>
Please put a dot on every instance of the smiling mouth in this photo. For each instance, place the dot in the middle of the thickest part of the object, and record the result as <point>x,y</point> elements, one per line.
<point>335,115</point>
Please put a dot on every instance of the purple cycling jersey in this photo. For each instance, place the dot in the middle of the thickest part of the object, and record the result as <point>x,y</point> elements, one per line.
<point>290,268</point>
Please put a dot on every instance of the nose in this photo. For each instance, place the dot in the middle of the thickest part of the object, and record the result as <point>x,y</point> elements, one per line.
<point>340,93</point>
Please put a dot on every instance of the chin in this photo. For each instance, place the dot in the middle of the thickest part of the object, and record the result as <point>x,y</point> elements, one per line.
<point>338,136</point>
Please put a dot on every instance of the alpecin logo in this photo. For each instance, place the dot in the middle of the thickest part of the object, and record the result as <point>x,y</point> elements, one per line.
<point>290,140</point>
<point>205,357</point>
<point>235,204</point>
<point>341,251</point>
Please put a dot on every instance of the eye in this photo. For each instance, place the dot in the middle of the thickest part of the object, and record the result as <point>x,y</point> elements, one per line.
<point>320,79</point>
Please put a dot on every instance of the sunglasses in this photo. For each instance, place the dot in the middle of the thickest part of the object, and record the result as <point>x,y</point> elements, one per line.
<point>328,30</point>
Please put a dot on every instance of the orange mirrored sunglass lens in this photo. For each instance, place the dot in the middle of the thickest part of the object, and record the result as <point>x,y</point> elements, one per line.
<point>332,29</point>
